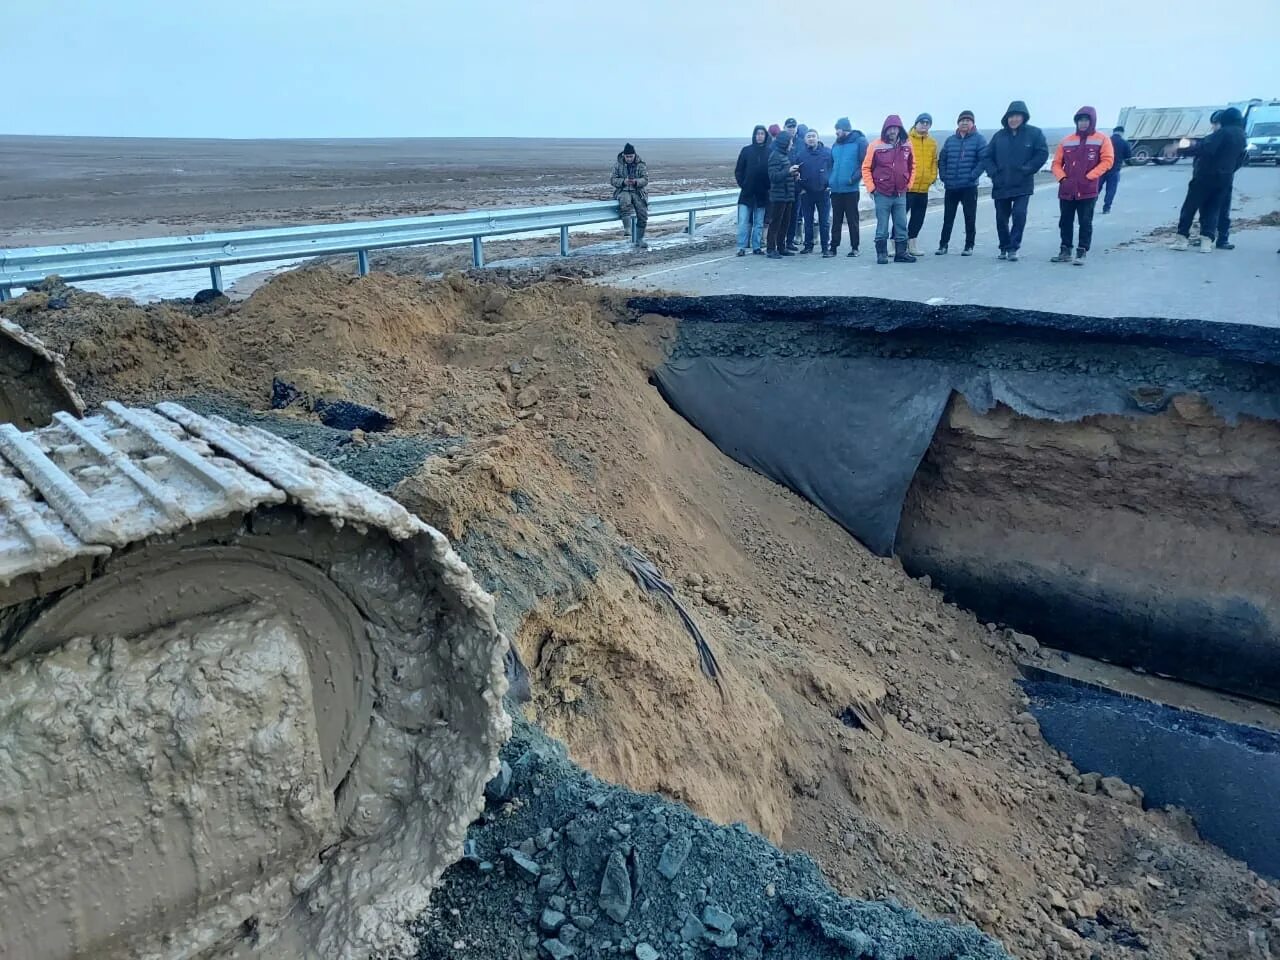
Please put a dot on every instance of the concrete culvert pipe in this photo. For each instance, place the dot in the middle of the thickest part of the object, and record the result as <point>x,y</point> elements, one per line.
<point>246,703</point>
<point>1107,486</point>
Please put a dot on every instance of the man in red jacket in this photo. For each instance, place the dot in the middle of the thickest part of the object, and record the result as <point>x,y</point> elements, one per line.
<point>1081,160</point>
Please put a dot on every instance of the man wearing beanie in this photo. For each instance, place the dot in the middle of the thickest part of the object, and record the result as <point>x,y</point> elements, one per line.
<point>1015,155</point>
<point>846,171</point>
<point>1111,179</point>
<point>959,166</point>
<point>630,183</point>
<point>925,150</point>
<point>782,195</point>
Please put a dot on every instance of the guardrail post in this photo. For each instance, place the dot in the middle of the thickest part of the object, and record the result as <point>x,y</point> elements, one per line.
<point>4,294</point>
<point>564,241</point>
<point>693,221</point>
<point>477,252</point>
<point>215,277</point>
<point>362,262</point>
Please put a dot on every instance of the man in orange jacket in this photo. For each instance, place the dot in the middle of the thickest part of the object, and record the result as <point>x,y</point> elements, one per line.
<point>1079,164</point>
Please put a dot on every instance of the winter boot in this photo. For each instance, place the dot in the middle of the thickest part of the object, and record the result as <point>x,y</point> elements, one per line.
<point>913,249</point>
<point>1080,255</point>
<point>1064,256</point>
<point>1206,244</point>
<point>828,253</point>
<point>902,253</point>
<point>882,251</point>
<point>1004,255</point>
<point>941,251</point>
<point>1012,256</point>
<point>967,251</point>
<point>807,249</point>
<point>1180,243</point>
<point>640,242</point>
<point>626,229</point>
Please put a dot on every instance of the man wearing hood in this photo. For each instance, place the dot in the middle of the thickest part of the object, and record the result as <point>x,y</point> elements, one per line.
<point>630,182</point>
<point>1015,155</point>
<point>1111,179</point>
<point>782,195</point>
<point>815,169</point>
<point>1217,158</point>
<point>846,168</point>
<point>886,173</point>
<point>1079,163</point>
<point>960,166</point>
<point>752,174</point>
<point>925,150</point>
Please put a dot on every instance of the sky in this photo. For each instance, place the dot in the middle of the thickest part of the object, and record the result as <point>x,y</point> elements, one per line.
<point>587,68</point>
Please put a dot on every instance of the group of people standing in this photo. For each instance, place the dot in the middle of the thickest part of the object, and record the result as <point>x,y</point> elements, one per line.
<point>796,190</point>
<point>789,178</point>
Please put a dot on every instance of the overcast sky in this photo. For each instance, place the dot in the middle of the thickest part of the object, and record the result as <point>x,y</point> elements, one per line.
<point>593,68</point>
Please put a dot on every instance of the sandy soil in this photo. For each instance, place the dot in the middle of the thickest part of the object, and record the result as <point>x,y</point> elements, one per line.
<point>859,717</point>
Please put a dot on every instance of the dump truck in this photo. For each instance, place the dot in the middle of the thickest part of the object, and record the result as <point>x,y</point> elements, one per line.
<point>248,706</point>
<point>1155,132</point>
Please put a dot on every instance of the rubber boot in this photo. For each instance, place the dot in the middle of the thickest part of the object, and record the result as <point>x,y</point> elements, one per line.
<point>1080,255</point>
<point>882,251</point>
<point>640,244</point>
<point>1064,256</point>
<point>626,229</point>
<point>901,254</point>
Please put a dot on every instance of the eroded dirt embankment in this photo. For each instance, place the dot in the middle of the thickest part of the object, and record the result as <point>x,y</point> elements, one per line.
<point>1149,541</point>
<point>545,448</point>
<point>1105,486</point>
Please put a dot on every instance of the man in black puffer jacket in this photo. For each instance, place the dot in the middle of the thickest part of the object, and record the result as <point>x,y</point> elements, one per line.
<point>783,173</point>
<point>1014,156</point>
<point>752,174</point>
<point>1217,157</point>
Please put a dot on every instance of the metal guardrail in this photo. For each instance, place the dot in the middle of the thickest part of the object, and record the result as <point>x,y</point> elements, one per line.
<point>121,258</point>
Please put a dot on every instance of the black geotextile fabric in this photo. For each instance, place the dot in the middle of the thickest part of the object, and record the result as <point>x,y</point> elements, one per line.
<point>838,398</point>
<point>851,451</point>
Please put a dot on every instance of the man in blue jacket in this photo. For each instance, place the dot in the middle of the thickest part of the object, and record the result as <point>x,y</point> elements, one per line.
<point>815,169</point>
<point>1111,179</point>
<point>959,167</point>
<point>846,173</point>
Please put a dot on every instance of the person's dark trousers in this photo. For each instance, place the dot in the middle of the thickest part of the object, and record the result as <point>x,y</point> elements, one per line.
<point>967,198</point>
<point>917,204</point>
<point>1224,218</point>
<point>844,206</point>
<point>793,227</point>
<point>821,204</point>
<point>1110,183</point>
<point>779,218</point>
<point>1069,212</point>
<point>1203,198</point>
<point>1011,220</point>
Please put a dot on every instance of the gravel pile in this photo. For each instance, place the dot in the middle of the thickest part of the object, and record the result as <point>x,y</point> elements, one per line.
<point>564,865</point>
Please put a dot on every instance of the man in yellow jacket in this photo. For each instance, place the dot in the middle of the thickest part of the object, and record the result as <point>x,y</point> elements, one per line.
<point>925,150</point>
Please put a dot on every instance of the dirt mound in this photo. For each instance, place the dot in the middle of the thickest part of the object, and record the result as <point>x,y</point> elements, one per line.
<point>561,453</point>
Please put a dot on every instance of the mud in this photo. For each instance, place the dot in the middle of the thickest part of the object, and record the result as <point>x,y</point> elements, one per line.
<point>562,451</point>
<point>338,789</point>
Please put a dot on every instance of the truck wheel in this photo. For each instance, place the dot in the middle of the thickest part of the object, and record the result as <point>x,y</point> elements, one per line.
<point>1142,155</point>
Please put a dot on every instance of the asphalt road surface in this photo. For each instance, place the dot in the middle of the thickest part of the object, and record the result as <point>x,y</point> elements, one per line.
<point>1130,271</point>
